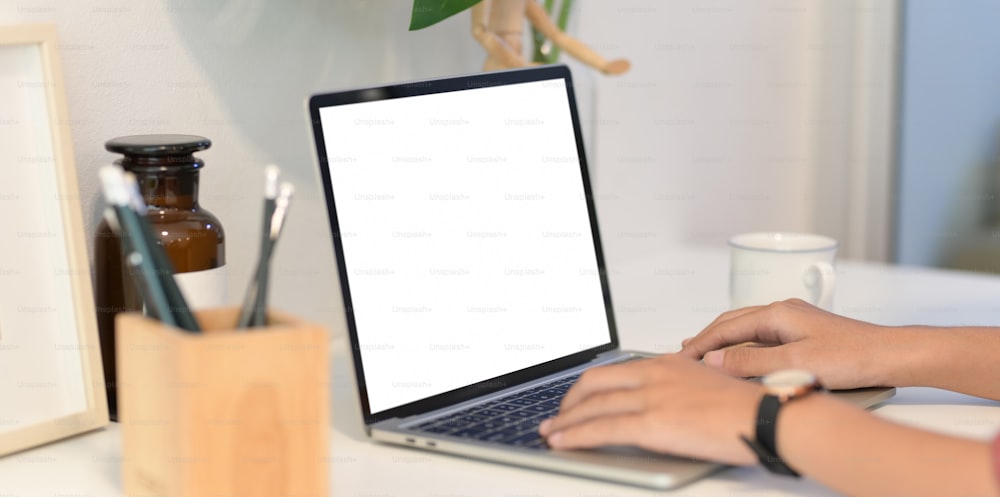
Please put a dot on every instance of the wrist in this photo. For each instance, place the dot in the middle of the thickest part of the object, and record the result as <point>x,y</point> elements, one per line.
<point>799,421</point>
<point>764,443</point>
<point>779,389</point>
<point>904,355</point>
<point>744,455</point>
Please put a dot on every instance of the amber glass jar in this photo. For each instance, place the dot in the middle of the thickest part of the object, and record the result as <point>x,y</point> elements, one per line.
<point>167,172</point>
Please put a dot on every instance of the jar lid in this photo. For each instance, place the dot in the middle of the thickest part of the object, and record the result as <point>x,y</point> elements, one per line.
<point>158,145</point>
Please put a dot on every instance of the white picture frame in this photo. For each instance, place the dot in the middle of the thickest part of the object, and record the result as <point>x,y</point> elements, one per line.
<point>51,381</point>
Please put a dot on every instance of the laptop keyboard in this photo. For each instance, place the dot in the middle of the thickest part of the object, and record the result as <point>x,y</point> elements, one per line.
<point>511,420</point>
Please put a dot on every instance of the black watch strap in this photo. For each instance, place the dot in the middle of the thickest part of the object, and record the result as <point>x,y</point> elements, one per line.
<point>765,445</point>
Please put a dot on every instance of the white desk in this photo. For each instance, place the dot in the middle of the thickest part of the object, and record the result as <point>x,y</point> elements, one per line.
<point>658,301</point>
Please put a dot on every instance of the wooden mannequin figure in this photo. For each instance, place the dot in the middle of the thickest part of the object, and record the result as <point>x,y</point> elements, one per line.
<point>498,26</point>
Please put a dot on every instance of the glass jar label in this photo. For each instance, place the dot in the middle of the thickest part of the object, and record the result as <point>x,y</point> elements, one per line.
<point>203,289</point>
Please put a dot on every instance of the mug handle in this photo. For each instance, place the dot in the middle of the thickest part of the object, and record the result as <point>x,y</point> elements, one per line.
<point>821,274</point>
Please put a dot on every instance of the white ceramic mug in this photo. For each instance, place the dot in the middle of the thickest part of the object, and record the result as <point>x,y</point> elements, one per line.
<point>772,266</point>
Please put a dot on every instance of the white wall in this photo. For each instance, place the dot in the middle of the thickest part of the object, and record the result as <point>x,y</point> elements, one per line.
<point>713,132</point>
<point>237,72</point>
<point>738,116</point>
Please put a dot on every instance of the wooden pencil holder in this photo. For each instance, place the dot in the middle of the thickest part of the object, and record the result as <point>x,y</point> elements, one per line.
<point>223,412</point>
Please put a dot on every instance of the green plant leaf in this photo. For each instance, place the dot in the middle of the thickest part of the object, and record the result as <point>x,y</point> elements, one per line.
<point>430,12</point>
<point>550,55</point>
<point>539,39</point>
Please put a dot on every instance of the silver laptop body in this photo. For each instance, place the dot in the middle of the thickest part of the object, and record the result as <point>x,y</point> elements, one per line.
<point>470,261</point>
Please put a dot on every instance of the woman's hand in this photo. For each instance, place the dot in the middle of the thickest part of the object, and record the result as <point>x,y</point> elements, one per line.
<point>668,404</point>
<point>842,352</point>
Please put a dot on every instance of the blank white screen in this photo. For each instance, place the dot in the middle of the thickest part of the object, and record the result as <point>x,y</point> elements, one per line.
<point>466,236</point>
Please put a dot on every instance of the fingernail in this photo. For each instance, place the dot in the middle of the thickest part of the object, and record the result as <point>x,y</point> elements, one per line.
<point>543,428</point>
<point>714,358</point>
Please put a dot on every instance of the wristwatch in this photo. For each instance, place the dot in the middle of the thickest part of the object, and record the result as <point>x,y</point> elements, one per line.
<point>779,387</point>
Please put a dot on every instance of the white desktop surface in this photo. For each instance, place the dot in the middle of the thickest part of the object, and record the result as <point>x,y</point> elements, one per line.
<point>658,301</point>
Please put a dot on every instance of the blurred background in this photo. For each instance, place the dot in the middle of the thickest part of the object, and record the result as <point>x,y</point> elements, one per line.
<point>872,121</point>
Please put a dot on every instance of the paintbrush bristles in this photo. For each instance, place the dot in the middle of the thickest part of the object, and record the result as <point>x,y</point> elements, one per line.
<point>281,209</point>
<point>271,174</point>
<point>113,185</point>
<point>135,196</point>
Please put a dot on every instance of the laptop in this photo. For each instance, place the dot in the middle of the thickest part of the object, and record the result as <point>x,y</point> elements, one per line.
<point>471,267</point>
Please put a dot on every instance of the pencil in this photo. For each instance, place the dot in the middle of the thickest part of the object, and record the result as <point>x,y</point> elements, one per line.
<point>254,308</point>
<point>252,312</point>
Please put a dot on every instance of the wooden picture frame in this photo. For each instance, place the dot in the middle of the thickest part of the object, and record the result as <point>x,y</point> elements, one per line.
<point>51,381</point>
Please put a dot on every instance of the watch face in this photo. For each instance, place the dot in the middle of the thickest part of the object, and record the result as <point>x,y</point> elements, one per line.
<point>790,383</point>
<point>790,378</point>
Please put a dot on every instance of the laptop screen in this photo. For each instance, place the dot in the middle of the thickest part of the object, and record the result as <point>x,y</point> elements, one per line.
<point>465,235</point>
